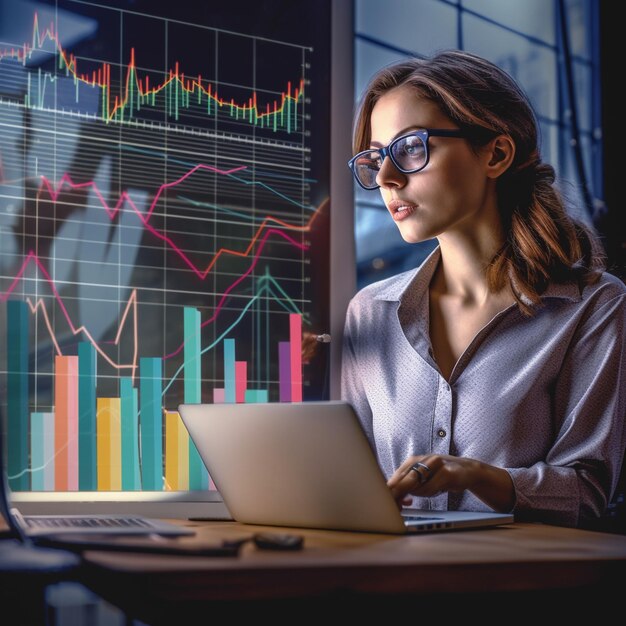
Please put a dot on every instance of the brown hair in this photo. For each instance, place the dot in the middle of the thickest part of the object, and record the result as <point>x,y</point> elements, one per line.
<point>542,242</point>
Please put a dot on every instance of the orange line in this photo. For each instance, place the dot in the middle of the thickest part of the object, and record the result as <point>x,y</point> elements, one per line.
<point>132,300</point>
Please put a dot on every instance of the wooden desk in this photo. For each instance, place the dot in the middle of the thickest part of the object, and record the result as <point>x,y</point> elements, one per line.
<point>457,572</point>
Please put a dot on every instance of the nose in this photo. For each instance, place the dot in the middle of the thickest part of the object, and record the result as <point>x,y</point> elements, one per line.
<point>389,175</point>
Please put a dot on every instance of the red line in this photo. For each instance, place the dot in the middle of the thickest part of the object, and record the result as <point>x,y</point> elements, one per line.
<point>32,256</point>
<point>202,274</point>
<point>39,38</point>
<point>220,304</point>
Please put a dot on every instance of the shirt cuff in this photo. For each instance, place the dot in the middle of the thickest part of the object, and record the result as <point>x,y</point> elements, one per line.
<point>545,493</point>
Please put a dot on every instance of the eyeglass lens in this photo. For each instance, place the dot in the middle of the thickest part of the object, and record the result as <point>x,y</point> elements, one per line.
<point>408,154</point>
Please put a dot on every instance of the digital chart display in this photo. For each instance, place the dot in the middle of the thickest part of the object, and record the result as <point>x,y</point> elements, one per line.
<point>164,229</point>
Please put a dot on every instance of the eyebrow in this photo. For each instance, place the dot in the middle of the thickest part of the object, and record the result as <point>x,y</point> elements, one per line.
<point>404,131</point>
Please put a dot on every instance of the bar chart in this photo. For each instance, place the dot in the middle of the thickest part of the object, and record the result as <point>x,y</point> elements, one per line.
<point>93,443</point>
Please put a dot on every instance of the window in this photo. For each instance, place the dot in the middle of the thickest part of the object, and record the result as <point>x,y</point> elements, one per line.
<point>525,39</point>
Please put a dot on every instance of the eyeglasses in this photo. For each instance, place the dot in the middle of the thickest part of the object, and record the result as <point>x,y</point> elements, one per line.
<point>409,153</point>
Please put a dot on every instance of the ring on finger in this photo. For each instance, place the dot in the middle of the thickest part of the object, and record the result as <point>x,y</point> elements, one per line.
<point>422,471</point>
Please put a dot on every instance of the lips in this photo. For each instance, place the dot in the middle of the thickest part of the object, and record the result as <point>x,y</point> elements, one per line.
<point>401,209</point>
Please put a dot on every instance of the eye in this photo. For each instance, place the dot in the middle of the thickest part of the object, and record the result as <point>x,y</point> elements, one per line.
<point>409,148</point>
<point>371,161</point>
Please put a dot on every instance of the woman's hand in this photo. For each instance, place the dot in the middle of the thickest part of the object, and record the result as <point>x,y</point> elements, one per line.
<point>437,473</point>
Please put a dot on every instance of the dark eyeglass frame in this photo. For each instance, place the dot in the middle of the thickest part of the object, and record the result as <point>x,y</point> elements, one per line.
<point>423,134</point>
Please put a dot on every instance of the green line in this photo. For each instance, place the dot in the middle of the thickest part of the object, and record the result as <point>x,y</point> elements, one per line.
<point>243,312</point>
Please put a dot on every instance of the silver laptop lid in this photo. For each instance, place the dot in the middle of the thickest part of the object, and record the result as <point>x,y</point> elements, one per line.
<point>293,464</point>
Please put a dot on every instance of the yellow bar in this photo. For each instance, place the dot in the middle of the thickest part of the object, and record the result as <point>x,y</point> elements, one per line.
<point>116,443</point>
<point>183,456</point>
<point>109,444</point>
<point>176,453</point>
<point>171,451</point>
<point>103,444</point>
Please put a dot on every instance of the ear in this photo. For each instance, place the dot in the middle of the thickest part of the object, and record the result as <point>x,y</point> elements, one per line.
<point>500,152</point>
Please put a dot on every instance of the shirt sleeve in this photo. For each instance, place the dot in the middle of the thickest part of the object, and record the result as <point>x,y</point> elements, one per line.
<point>352,389</point>
<point>581,469</point>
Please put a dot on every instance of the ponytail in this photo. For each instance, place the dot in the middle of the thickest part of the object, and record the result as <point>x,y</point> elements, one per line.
<point>544,244</point>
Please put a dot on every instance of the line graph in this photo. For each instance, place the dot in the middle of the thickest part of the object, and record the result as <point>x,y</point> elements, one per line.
<point>163,232</point>
<point>175,92</point>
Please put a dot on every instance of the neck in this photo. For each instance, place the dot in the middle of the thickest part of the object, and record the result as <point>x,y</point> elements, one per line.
<point>465,257</point>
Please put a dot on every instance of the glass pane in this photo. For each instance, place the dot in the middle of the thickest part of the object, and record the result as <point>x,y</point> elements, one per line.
<point>579,23</point>
<point>583,90</point>
<point>419,27</point>
<point>549,144</point>
<point>569,181</point>
<point>532,17</point>
<point>368,58</point>
<point>532,65</point>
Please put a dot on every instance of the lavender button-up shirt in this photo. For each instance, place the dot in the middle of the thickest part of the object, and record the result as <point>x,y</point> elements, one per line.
<point>543,397</point>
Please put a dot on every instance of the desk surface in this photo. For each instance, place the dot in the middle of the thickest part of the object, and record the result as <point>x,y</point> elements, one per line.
<point>516,557</point>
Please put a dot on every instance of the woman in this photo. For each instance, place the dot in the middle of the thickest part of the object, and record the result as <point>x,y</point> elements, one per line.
<point>493,375</point>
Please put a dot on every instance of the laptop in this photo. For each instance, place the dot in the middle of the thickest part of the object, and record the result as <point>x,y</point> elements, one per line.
<point>308,465</point>
<point>99,524</point>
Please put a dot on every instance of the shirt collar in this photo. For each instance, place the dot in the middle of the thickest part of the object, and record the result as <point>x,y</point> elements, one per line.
<point>420,279</point>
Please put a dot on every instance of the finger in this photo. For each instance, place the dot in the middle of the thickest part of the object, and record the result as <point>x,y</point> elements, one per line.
<point>404,471</point>
<point>407,484</point>
<point>399,474</point>
<point>432,487</point>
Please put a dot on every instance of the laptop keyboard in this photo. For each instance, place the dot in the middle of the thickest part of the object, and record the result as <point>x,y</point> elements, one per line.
<point>85,522</point>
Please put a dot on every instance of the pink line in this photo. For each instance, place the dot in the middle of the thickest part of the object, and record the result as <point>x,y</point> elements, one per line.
<point>54,194</point>
<point>219,397</point>
<point>111,213</point>
<point>220,304</point>
<point>132,300</point>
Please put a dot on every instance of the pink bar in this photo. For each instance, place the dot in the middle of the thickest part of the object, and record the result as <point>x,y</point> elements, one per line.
<point>295,341</point>
<point>218,395</point>
<point>72,447</point>
<point>66,423</point>
<point>241,380</point>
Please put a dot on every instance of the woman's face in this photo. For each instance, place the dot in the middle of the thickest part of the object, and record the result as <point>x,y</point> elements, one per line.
<point>451,192</point>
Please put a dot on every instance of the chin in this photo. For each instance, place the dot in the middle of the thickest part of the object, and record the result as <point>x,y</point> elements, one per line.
<point>414,236</point>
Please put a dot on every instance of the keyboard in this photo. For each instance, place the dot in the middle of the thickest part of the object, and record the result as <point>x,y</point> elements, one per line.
<point>83,522</point>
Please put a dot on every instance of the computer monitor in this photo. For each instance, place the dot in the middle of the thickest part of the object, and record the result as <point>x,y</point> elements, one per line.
<point>166,235</point>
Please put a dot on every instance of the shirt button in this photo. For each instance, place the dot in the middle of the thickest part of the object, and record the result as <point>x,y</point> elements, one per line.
<point>441,432</point>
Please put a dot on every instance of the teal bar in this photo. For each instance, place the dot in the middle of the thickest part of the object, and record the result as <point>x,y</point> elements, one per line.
<point>17,395</point>
<point>198,475</point>
<point>192,355</point>
<point>229,371</point>
<point>151,420</point>
<point>131,480</point>
<point>256,395</point>
<point>48,451</point>
<point>87,467</point>
<point>42,451</point>
<point>37,456</point>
